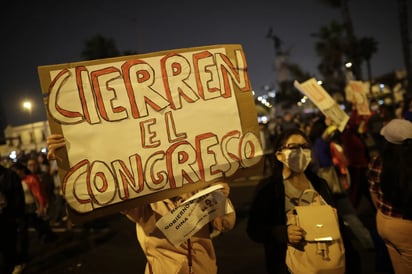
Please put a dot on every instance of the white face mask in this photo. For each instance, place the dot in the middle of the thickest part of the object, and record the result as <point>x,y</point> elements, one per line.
<point>297,160</point>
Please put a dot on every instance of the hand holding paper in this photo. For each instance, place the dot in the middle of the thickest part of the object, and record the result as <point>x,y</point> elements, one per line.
<point>204,207</point>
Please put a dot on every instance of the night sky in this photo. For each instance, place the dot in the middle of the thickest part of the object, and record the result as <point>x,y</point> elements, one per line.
<point>53,32</point>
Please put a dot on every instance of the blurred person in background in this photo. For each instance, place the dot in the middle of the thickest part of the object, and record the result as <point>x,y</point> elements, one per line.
<point>407,110</point>
<point>373,124</point>
<point>330,164</point>
<point>357,156</point>
<point>43,163</point>
<point>11,217</point>
<point>275,127</point>
<point>288,121</point>
<point>59,215</point>
<point>267,147</point>
<point>47,182</point>
<point>35,208</point>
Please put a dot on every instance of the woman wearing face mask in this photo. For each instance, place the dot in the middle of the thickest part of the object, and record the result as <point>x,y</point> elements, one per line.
<point>276,195</point>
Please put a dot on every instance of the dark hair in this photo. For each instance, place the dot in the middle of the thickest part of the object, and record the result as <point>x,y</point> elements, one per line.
<point>318,127</point>
<point>396,176</point>
<point>20,166</point>
<point>284,136</point>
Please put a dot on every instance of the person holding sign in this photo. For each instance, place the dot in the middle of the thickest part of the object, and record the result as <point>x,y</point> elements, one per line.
<point>174,233</point>
<point>278,194</point>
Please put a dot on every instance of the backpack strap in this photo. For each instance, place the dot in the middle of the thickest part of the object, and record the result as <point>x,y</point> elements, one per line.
<point>319,201</point>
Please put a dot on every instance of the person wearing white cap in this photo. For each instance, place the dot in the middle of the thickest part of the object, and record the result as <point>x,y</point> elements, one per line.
<point>390,179</point>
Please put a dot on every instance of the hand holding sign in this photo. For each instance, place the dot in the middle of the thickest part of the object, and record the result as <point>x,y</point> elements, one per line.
<point>146,127</point>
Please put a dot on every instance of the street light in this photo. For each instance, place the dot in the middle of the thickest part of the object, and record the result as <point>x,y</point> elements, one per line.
<point>28,106</point>
<point>348,65</point>
<point>348,71</point>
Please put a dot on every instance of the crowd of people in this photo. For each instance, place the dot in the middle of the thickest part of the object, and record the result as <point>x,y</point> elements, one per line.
<point>350,162</point>
<point>370,159</point>
<point>40,202</point>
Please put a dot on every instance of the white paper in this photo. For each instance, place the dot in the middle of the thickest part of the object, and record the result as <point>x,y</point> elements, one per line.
<point>187,219</point>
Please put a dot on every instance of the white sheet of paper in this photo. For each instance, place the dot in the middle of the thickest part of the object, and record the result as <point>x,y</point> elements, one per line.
<point>187,219</point>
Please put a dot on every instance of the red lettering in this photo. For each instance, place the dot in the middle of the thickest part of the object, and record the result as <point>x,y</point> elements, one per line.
<point>239,76</point>
<point>180,159</point>
<point>147,135</point>
<point>175,70</point>
<point>172,134</point>
<point>205,71</point>
<point>139,78</point>
<point>105,101</point>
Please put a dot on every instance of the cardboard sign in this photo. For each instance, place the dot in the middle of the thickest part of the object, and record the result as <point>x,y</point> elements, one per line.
<point>143,128</point>
<point>357,93</point>
<point>321,98</point>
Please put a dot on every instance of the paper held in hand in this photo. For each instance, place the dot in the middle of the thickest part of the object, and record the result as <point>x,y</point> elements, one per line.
<point>188,218</point>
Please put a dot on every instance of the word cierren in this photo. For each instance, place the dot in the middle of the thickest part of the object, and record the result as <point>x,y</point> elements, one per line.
<point>214,75</point>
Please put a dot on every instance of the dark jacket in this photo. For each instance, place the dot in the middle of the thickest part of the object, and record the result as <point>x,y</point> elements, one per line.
<point>267,219</point>
<point>11,215</point>
<point>12,197</point>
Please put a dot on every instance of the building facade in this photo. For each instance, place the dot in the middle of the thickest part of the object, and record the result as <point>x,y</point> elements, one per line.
<point>25,138</point>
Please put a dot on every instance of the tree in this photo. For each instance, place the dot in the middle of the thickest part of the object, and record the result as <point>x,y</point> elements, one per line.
<point>351,49</point>
<point>330,48</point>
<point>99,47</point>
<point>367,47</point>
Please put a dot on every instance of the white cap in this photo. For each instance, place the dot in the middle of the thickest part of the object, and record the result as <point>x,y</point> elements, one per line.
<point>397,131</point>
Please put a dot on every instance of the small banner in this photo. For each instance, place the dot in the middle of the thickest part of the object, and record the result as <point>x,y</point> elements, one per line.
<point>188,218</point>
<point>143,128</point>
<point>357,93</point>
<point>321,98</point>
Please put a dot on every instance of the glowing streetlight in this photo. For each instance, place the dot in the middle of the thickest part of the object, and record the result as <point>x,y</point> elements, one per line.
<point>348,71</point>
<point>29,107</point>
<point>348,64</point>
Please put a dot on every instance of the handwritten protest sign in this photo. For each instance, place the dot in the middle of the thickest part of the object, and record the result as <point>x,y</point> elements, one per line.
<point>146,127</point>
<point>321,98</point>
<point>357,93</point>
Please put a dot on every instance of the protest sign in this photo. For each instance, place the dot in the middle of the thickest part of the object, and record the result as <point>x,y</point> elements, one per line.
<point>357,93</point>
<point>142,128</point>
<point>185,220</point>
<point>321,98</point>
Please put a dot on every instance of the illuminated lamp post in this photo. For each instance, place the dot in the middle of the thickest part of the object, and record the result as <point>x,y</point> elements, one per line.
<point>29,107</point>
<point>348,71</point>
